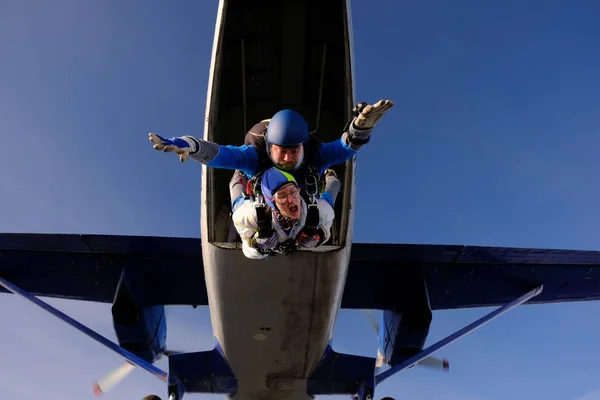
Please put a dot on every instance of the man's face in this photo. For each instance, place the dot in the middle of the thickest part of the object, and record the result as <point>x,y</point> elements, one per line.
<point>287,158</point>
<point>288,200</point>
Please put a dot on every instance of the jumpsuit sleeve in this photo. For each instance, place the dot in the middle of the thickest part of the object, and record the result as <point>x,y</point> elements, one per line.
<point>243,158</point>
<point>244,220</point>
<point>341,150</point>
<point>333,153</point>
<point>326,217</point>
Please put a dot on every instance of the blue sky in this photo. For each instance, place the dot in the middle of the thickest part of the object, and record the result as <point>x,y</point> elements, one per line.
<point>493,141</point>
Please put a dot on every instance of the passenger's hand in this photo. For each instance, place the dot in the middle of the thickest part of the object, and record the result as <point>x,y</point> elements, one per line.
<point>371,114</point>
<point>267,244</point>
<point>179,145</point>
<point>309,241</point>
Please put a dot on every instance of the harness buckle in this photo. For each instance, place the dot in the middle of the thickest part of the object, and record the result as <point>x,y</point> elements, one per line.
<point>311,182</point>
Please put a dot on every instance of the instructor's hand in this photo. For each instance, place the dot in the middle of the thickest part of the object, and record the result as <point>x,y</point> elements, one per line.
<point>371,114</point>
<point>179,145</point>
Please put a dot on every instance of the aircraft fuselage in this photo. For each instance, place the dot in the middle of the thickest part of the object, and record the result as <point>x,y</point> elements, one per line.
<point>274,318</point>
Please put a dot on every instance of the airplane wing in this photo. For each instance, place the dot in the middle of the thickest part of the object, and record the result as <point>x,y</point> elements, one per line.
<point>88,267</point>
<point>169,271</point>
<point>467,276</point>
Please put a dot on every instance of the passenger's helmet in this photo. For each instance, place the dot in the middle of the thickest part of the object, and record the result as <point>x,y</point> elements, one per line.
<point>287,129</point>
<point>271,181</point>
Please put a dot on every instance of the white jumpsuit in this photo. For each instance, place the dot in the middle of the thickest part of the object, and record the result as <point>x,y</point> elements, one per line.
<point>245,221</point>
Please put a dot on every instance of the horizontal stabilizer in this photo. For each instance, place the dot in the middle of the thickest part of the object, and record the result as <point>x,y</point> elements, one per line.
<point>339,373</point>
<point>203,372</point>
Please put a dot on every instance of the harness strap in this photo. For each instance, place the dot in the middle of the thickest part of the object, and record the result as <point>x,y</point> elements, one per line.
<point>312,188</point>
<point>312,219</point>
<point>263,217</point>
<point>263,220</point>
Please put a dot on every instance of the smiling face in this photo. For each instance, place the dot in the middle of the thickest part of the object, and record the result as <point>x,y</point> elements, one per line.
<point>288,199</point>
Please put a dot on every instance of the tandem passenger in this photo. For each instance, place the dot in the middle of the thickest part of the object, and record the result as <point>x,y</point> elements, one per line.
<point>290,225</point>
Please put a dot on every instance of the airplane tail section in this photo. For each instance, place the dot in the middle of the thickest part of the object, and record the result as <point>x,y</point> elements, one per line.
<point>203,372</point>
<point>339,373</point>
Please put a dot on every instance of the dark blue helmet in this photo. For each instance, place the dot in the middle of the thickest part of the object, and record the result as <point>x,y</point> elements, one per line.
<point>287,128</point>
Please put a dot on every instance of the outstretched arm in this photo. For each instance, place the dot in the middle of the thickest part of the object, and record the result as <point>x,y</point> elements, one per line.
<point>243,158</point>
<point>357,135</point>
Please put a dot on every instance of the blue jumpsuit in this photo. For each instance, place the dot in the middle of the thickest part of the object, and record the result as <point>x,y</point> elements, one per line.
<point>246,158</point>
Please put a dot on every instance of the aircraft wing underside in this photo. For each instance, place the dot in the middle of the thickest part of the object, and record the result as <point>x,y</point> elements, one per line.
<point>161,270</point>
<point>468,276</point>
<point>169,271</point>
